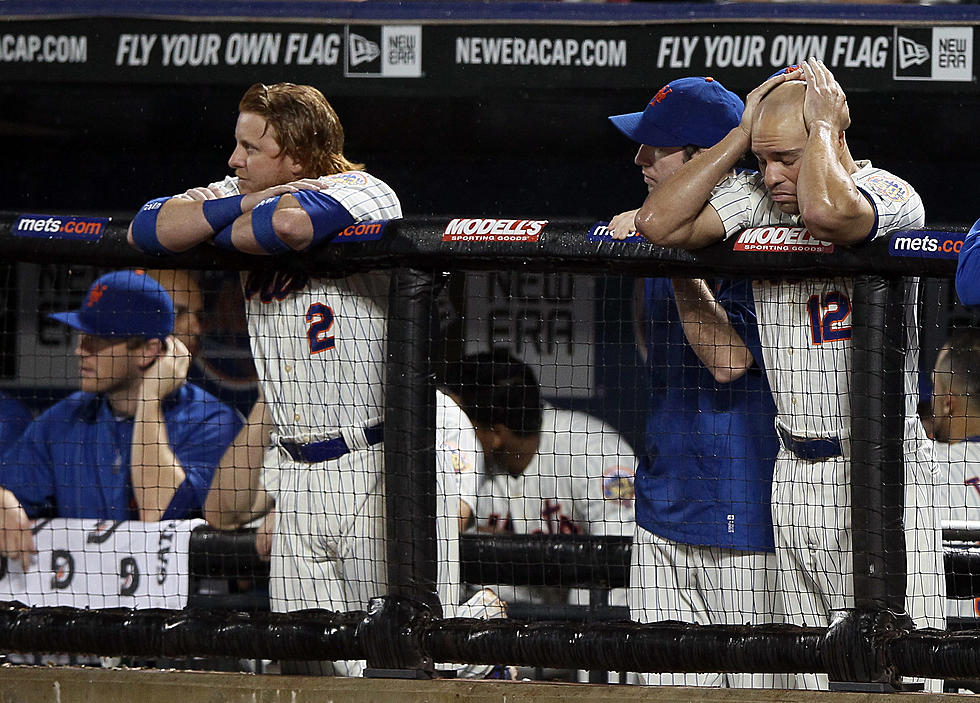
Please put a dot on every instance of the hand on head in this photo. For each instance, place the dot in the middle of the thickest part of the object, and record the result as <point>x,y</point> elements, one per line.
<point>168,372</point>
<point>824,99</point>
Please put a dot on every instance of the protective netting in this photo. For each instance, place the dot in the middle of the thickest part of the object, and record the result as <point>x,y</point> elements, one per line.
<point>604,443</point>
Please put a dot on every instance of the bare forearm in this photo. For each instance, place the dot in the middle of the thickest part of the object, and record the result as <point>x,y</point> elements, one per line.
<point>670,214</point>
<point>831,205</point>
<point>236,495</point>
<point>709,331</point>
<point>16,540</point>
<point>155,471</point>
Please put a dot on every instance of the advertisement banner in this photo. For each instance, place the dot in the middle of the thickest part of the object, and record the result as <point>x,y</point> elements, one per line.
<point>465,58</point>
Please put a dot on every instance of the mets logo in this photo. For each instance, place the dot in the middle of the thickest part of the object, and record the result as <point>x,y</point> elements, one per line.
<point>661,94</point>
<point>889,188</point>
<point>347,178</point>
<point>617,485</point>
<point>95,294</point>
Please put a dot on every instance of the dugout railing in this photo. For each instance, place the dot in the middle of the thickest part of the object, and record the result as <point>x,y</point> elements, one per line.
<point>402,631</point>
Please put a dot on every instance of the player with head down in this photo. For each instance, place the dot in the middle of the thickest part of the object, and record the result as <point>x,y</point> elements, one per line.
<point>794,125</point>
<point>294,189</point>
<point>703,550</point>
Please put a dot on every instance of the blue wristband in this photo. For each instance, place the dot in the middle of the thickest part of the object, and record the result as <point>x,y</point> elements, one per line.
<point>326,214</point>
<point>262,230</point>
<point>221,212</point>
<point>223,238</point>
<point>145,228</point>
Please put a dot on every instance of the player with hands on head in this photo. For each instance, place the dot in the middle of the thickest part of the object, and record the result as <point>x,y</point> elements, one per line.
<point>136,442</point>
<point>794,125</point>
<point>703,549</point>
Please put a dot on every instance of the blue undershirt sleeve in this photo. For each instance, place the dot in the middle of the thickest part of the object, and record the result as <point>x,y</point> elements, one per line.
<point>968,268</point>
<point>327,215</point>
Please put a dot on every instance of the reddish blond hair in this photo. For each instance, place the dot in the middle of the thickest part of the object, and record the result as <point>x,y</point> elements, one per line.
<point>306,126</point>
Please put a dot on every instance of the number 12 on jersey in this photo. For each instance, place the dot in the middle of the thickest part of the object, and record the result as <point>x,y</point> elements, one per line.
<point>829,315</point>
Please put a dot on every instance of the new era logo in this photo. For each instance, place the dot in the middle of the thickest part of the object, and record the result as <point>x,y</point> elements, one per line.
<point>911,53</point>
<point>361,50</point>
<point>933,54</point>
<point>388,51</point>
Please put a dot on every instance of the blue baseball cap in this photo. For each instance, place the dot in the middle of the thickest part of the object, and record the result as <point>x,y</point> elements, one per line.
<point>123,304</point>
<point>697,111</point>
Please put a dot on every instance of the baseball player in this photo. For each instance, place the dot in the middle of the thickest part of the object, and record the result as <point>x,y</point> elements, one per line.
<point>136,442</point>
<point>956,427</point>
<point>968,268</point>
<point>794,124</point>
<point>548,470</point>
<point>318,344</point>
<point>703,550</point>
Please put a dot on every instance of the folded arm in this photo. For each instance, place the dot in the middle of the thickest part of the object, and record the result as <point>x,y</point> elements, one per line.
<point>710,332</point>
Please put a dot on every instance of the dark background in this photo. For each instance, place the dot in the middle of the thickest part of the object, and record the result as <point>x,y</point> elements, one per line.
<point>109,148</point>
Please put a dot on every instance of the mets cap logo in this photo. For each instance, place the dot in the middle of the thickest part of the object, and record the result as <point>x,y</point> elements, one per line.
<point>95,294</point>
<point>617,484</point>
<point>661,94</point>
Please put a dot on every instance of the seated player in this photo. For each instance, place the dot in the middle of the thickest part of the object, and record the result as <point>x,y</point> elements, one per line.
<point>136,442</point>
<point>956,427</point>
<point>548,470</point>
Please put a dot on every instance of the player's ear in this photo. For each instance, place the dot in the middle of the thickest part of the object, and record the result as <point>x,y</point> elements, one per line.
<point>297,169</point>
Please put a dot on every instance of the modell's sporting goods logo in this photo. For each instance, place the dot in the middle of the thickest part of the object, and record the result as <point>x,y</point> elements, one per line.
<point>780,239</point>
<point>481,229</point>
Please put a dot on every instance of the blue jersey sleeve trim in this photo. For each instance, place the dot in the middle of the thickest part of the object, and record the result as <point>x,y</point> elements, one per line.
<point>327,215</point>
<point>145,228</point>
<point>874,225</point>
<point>968,268</point>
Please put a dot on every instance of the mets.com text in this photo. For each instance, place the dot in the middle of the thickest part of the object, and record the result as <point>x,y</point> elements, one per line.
<point>518,51</point>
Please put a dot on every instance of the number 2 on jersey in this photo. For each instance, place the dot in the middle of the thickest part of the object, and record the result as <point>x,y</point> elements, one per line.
<point>320,317</point>
<point>829,315</point>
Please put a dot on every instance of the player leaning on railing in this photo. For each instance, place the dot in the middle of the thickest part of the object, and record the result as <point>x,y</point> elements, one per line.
<point>794,125</point>
<point>293,189</point>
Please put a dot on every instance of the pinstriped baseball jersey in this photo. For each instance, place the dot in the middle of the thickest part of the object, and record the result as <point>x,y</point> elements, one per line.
<point>805,326</point>
<point>579,482</point>
<point>458,451</point>
<point>958,495</point>
<point>319,343</point>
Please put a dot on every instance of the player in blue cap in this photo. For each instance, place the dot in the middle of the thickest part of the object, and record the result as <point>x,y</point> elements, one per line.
<point>703,549</point>
<point>136,442</point>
